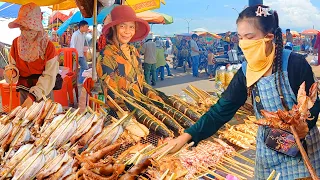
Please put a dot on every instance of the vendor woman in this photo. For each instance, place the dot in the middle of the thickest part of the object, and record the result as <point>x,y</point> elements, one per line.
<point>269,71</point>
<point>118,63</point>
<point>33,64</point>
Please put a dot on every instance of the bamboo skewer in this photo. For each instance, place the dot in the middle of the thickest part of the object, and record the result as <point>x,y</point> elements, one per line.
<point>116,105</point>
<point>98,101</point>
<point>10,95</point>
<point>24,171</point>
<point>235,164</point>
<point>185,147</point>
<point>42,142</point>
<point>243,157</point>
<point>156,149</point>
<point>243,171</point>
<point>165,153</point>
<point>304,154</point>
<point>238,163</point>
<point>194,97</point>
<point>230,172</point>
<point>164,175</point>
<point>212,173</point>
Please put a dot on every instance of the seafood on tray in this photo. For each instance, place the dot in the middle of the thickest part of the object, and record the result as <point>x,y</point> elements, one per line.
<point>297,116</point>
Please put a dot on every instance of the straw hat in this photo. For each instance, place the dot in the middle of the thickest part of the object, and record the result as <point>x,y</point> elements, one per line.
<point>124,13</point>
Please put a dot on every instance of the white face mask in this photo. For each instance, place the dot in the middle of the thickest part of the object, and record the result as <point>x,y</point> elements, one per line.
<point>29,34</point>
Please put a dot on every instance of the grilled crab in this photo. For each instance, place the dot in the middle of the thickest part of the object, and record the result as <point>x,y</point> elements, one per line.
<point>297,116</point>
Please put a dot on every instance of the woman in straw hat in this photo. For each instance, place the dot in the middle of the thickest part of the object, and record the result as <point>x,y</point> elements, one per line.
<point>272,75</point>
<point>33,63</point>
<point>118,61</point>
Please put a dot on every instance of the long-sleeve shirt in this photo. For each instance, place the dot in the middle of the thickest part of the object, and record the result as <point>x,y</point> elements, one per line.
<point>236,95</point>
<point>46,68</point>
<point>77,41</point>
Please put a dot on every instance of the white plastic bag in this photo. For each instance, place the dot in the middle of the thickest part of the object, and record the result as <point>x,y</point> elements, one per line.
<point>314,61</point>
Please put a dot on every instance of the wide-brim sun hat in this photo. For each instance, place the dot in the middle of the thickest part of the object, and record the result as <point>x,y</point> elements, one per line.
<point>29,16</point>
<point>124,13</point>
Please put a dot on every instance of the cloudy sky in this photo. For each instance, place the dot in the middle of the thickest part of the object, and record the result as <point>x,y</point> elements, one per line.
<point>220,15</point>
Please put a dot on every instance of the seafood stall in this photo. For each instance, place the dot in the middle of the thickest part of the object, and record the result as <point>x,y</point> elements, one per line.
<point>46,142</point>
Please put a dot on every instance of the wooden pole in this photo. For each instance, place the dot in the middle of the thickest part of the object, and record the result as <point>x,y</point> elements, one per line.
<point>10,93</point>
<point>304,154</point>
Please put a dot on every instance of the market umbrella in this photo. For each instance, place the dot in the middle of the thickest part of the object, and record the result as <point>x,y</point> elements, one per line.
<point>155,18</point>
<point>77,17</point>
<point>38,2</point>
<point>216,36</point>
<point>310,32</point>
<point>200,30</point>
<point>144,5</point>
<point>65,5</point>
<point>294,34</point>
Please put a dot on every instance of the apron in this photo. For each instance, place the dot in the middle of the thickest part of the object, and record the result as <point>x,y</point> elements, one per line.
<point>268,159</point>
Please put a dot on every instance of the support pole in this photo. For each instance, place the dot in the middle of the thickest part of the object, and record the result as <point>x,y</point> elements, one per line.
<point>94,41</point>
<point>255,2</point>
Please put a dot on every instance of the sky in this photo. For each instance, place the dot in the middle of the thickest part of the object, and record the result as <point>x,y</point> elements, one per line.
<point>219,16</point>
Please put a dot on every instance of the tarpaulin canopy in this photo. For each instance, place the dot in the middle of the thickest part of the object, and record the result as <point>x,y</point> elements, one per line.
<point>38,2</point>
<point>77,17</point>
<point>60,16</point>
<point>8,10</point>
<point>310,32</point>
<point>155,18</point>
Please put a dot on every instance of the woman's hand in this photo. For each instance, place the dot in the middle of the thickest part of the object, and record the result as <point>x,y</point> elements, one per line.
<point>27,103</point>
<point>11,73</point>
<point>177,143</point>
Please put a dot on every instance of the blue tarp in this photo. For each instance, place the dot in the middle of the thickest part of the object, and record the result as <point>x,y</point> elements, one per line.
<point>8,10</point>
<point>77,17</point>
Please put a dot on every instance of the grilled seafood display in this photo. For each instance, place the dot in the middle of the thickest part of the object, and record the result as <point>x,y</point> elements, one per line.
<point>41,142</point>
<point>297,116</point>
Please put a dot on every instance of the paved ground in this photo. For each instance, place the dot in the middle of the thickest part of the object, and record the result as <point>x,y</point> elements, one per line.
<point>180,80</point>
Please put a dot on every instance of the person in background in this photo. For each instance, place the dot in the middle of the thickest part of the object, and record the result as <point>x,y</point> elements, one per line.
<point>227,41</point>
<point>289,36</point>
<point>149,50</point>
<point>33,61</point>
<point>313,42</point>
<point>78,42</point>
<point>167,44</point>
<point>211,63</point>
<point>161,61</point>
<point>317,46</point>
<point>195,55</point>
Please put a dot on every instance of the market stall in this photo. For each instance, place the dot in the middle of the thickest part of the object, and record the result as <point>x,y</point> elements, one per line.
<point>68,144</point>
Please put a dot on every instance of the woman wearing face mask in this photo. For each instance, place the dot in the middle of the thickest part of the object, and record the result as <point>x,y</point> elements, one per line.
<point>118,63</point>
<point>269,73</point>
<point>33,63</point>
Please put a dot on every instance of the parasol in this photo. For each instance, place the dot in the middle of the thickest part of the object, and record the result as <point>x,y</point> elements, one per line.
<point>77,17</point>
<point>144,5</point>
<point>310,32</point>
<point>155,18</point>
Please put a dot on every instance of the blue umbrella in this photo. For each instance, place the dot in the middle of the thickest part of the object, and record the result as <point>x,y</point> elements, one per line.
<point>8,10</point>
<point>77,17</point>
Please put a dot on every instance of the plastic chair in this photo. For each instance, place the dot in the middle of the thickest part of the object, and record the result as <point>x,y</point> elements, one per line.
<point>70,60</point>
<point>5,95</point>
